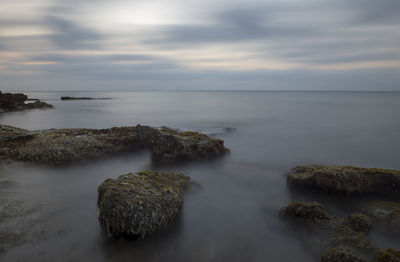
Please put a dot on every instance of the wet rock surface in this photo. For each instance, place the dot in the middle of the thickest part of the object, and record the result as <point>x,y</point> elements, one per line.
<point>63,146</point>
<point>385,214</point>
<point>141,203</point>
<point>15,102</point>
<point>336,239</point>
<point>346,179</point>
<point>168,145</point>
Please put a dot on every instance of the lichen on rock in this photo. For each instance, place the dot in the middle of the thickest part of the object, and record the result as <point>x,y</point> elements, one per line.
<point>346,179</point>
<point>141,203</point>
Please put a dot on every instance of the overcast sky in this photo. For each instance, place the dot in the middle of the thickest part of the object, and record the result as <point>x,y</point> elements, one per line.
<point>207,44</point>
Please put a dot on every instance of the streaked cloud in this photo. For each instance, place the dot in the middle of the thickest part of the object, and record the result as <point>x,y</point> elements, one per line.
<point>266,44</point>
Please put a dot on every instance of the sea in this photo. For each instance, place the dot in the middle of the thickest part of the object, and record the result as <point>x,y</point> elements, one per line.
<point>233,215</point>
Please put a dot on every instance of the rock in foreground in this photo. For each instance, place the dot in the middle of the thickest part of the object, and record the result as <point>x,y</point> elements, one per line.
<point>63,146</point>
<point>346,179</point>
<point>14,102</point>
<point>142,203</point>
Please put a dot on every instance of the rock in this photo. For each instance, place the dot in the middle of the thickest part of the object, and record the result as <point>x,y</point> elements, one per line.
<point>13,102</point>
<point>338,239</point>
<point>346,179</point>
<point>142,203</point>
<point>168,145</point>
<point>81,98</point>
<point>389,255</point>
<point>63,146</point>
<point>384,213</point>
<point>357,222</point>
<point>340,255</point>
<point>305,212</point>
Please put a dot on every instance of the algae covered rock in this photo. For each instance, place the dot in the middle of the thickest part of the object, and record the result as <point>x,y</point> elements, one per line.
<point>141,203</point>
<point>389,255</point>
<point>168,145</point>
<point>346,179</point>
<point>305,212</point>
<point>334,238</point>
<point>384,213</point>
<point>63,146</point>
<point>340,255</point>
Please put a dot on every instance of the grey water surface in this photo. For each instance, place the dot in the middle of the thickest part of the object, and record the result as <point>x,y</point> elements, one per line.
<point>233,214</point>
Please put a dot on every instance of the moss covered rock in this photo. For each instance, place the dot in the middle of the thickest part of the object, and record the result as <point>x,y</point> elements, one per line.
<point>338,239</point>
<point>63,146</point>
<point>346,179</point>
<point>168,145</point>
<point>384,213</point>
<point>389,255</point>
<point>141,203</point>
<point>340,255</point>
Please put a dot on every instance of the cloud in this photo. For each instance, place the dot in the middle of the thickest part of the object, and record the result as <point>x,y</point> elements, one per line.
<point>69,35</point>
<point>238,41</point>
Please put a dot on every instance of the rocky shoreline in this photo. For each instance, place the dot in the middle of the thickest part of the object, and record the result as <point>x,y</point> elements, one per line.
<point>15,102</point>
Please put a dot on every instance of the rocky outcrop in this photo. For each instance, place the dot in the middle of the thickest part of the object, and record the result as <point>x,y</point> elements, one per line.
<point>338,239</point>
<point>167,144</point>
<point>346,179</point>
<point>63,146</point>
<point>140,204</point>
<point>14,102</point>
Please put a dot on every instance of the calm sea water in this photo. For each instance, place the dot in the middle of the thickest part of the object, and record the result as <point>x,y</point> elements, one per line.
<point>233,215</point>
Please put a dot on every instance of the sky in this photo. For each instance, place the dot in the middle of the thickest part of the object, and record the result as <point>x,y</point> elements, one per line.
<point>199,45</point>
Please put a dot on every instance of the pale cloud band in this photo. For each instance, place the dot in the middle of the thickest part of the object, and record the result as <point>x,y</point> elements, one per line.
<point>290,44</point>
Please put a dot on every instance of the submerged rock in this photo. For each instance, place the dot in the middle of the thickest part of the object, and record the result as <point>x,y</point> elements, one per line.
<point>142,203</point>
<point>63,146</point>
<point>14,102</point>
<point>384,213</point>
<point>346,179</point>
<point>337,239</point>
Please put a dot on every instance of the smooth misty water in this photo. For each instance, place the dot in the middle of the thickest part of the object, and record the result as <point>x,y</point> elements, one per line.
<point>233,215</point>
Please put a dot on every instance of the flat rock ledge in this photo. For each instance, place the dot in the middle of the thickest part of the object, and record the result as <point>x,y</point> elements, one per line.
<point>141,203</point>
<point>334,239</point>
<point>64,146</point>
<point>346,179</point>
<point>15,102</point>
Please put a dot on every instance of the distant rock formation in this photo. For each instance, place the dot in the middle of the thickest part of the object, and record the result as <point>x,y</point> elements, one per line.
<point>346,179</point>
<point>14,102</point>
<point>140,204</point>
<point>82,98</point>
<point>63,146</point>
